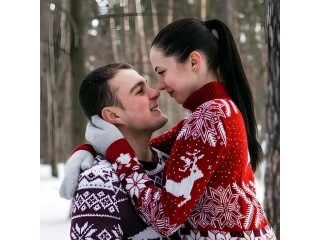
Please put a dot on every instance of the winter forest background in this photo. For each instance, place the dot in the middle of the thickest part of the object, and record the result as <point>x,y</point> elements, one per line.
<point>77,36</point>
<point>27,200</point>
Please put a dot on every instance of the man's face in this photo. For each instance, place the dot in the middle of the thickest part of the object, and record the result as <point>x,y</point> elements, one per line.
<point>140,102</point>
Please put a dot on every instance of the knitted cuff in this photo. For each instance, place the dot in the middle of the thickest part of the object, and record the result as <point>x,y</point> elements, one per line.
<point>87,147</point>
<point>123,158</point>
<point>118,147</point>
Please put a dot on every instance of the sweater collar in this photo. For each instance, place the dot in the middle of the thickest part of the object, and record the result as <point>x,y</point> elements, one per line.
<point>151,165</point>
<point>207,92</point>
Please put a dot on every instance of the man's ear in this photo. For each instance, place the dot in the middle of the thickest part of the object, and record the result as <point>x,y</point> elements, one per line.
<point>110,115</point>
<point>195,59</point>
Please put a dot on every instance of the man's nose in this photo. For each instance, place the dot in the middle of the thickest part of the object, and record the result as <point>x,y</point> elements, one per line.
<point>154,93</point>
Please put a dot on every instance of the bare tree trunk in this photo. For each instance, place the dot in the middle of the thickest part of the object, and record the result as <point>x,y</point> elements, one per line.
<point>272,175</point>
<point>170,11</point>
<point>154,13</point>
<point>227,14</point>
<point>114,40</point>
<point>52,103</point>
<point>44,63</point>
<point>77,70</point>
<point>63,96</point>
<point>126,30</point>
<point>143,45</point>
<point>55,41</point>
<point>203,11</point>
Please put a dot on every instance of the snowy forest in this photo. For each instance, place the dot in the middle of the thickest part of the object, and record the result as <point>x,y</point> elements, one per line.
<point>78,36</point>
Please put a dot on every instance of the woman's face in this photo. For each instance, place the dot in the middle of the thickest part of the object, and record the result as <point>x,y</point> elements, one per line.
<point>177,79</point>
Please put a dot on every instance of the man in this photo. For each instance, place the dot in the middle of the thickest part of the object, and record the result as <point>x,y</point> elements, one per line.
<point>101,208</point>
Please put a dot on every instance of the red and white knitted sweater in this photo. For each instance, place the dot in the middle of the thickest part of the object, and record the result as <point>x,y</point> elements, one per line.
<point>210,186</point>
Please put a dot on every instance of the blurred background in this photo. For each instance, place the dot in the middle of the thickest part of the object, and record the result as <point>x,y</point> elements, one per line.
<point>78,36</point>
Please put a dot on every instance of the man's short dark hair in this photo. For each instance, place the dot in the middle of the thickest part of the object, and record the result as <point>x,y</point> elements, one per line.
<point>95,92</point>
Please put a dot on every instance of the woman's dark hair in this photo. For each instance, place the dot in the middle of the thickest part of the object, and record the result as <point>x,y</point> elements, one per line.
<point>183,36</point>
<point>95,92</point>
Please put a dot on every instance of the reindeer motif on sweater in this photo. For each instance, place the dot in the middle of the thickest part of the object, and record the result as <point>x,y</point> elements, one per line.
<point>184,187</point>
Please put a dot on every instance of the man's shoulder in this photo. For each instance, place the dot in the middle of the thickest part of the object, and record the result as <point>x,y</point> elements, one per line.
<point>100,175</point>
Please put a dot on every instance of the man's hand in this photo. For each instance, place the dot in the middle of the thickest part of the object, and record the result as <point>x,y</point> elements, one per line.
<point>101,134</point>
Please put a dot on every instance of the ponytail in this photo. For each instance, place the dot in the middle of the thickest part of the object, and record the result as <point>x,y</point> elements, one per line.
<point>232,73</point>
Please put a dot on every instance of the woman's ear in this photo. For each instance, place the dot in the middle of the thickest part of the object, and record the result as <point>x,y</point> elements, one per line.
<point>110,115</point>
<point>195,59</point>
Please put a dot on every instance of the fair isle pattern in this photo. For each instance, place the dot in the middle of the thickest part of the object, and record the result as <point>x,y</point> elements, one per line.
<point>98,198</point>
<point>265,233</point>
<point>218,208</point>
<point>205,123</point>
<point>154,216</point>
<point>135,183</point>
<point>162,158</point>
<point>100,175</point>
<point>157,172</point>
<point>86,232</point>
<point>235,109</point>
<point>244,192</point>
<point>102,210</point>
<point>103,176</point>
<point>96,202</point>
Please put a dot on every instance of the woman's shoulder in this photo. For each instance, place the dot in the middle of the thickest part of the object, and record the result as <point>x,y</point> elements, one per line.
<point>221,106</point>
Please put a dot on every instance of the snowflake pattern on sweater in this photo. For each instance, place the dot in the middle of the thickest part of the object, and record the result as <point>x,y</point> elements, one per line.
<point>209,187</point>
<point>202,124</point>
<point>101,208</point>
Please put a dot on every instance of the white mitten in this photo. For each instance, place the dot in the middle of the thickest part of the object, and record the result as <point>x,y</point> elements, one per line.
<point>79,160</point>
<point>101,134</point>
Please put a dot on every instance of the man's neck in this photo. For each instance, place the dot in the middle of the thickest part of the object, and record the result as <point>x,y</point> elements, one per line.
<point>140,143</point>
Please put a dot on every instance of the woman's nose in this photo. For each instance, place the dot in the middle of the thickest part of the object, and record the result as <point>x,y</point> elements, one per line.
<point>161,85</point>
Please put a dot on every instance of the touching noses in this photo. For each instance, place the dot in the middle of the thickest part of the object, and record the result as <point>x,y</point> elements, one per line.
<point>153,93</point>
<point>161,84</point>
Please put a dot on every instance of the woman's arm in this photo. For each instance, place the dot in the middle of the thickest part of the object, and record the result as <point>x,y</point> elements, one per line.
<point>194,158</point>
<point>165,141</point>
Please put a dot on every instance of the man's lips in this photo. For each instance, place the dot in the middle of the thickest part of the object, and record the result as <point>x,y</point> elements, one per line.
<point>155,108</point>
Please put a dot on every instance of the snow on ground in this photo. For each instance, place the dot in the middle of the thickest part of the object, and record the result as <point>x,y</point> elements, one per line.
<point>54,210</point>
